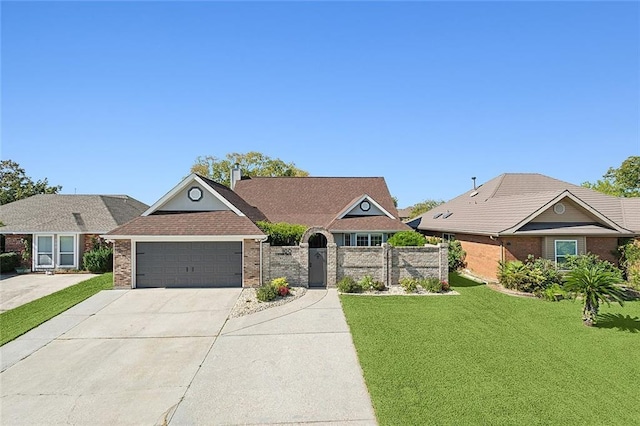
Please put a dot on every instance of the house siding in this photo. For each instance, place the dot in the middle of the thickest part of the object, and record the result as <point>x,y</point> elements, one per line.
<point>572,214</point>
<point>550,248</point>
<point>122,264</point>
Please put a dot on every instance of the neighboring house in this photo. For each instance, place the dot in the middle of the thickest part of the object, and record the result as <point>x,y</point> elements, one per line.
<point>62,227</point>
<point>405,214</point>
<point>202,233</point>
<point>519,214</point>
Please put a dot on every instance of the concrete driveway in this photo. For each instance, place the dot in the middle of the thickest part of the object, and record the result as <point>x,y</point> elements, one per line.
<point>19,289</point>
<point>172,357</point>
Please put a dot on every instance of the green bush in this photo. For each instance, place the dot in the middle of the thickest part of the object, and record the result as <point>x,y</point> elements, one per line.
<point>9,261</point>
<point>456,255</point>
<point>349,285</point>
<point>410,285</point>
<point>266,293</point>
<point>98,260</point>
<point>432,285</point>
<point>630,261</point>
<point>407,239</point>
<point>590,260</point>
<point>433,240</point>
<point>368,283</point>
<point>553,293</point>
<point>282,234</point>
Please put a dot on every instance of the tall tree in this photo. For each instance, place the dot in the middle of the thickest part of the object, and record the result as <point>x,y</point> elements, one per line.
<point>16,185</point>
<point>424,206</point>
<point>251,164</point>
<point>623,181</point>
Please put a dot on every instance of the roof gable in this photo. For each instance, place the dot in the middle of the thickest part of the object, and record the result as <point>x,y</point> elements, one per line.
<point>313,201</point>
<point>508,202</point>
<point>193,194</point>
<point>364,206</point>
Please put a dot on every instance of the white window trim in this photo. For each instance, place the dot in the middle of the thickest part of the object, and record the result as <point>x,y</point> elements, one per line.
<point>448,237</point>
<point>368,235</point>
<point>75,251</point>
<point>36,257</point>
<point>555,248</point>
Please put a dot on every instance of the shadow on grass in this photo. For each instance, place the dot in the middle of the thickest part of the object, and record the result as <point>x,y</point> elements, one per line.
<point>619,321</point>
<point>457,280</point>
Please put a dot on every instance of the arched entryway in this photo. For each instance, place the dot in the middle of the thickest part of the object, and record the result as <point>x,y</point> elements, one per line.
<point>317,238</point>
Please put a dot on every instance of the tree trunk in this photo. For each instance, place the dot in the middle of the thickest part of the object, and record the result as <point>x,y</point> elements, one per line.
<point>589,314</point>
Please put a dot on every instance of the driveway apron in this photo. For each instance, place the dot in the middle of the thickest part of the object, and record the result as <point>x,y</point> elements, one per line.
<point>291,364</point>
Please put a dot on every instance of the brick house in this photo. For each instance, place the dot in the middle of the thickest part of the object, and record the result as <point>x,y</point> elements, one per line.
<point>204,234</point>
<point>519,214</point>
<point>60,228</point>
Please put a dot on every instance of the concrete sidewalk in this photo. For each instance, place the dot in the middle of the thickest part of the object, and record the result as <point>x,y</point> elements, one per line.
<point>20,289</point>
<point>292,364</point>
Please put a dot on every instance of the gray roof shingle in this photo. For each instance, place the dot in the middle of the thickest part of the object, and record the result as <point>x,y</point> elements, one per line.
<point>94,214</point>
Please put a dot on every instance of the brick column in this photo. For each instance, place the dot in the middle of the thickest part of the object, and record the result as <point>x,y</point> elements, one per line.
<point>304,264</point>
<point>443,271</point>
<point>386,251</point>
<point>122,264</point>
<point>251,264</point>
<point>332,264</point>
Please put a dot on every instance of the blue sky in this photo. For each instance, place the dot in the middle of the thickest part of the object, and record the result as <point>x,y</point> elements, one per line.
<point>122,97</point>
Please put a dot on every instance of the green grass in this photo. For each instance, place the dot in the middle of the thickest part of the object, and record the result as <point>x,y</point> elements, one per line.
<point>18,321</point>
<point>487,358</point>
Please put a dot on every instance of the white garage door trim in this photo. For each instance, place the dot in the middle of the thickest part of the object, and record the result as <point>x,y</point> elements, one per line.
<point>134,248</point>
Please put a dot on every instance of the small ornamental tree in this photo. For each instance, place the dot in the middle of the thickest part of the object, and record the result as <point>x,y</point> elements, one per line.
<point>594,284</point>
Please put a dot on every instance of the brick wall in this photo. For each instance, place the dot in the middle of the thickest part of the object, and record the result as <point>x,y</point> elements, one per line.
<point>357,262</point>
<point>251,264</point>
<point>606,248</point>
<point>417,262</point>
<point>482,254</point>
<point>519,248</point>
<point>122,264</point>
<point>282,262</point>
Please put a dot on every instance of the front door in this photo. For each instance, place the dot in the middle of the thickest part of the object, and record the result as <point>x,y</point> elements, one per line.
<point>317,267</point>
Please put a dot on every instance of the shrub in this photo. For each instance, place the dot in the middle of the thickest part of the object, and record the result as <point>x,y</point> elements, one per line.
<point>410,285</point>
<point>433,240</point>
<point>553,293</point>
<point>281,285</point>
<point>630,261</point>
<point>99,259</point>
<point>282,233</point>
<point>9,261</point>
<point>590,260</point>
<point>456,255</point>
<point>445,286</point>
<point>349,285</point>
<point>266,293</point>
<point>432,285</point>
<point>368,283</point>
<point>407,239</point>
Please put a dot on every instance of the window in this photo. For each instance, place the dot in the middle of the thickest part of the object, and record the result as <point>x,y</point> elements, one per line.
<point>367,240</point>
<point>347,239</point>
<point>448,237</point>
<point>44,250</point>
<point>565,248</point>
<point>66,250</point>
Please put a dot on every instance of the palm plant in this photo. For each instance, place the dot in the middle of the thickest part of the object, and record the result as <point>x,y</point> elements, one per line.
<point>595,284</point>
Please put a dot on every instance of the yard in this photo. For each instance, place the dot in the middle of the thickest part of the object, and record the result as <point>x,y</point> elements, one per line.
<point>18,321</point>
<point>487,358</point>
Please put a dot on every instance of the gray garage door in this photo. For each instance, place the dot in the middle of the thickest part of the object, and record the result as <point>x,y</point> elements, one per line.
<point>202,264</point>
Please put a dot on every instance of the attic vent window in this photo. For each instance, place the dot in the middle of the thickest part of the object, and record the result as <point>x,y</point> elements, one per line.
<point>437,215</point>
<point>447,214</point>
<point>473,194</point>
<point>559,208</point>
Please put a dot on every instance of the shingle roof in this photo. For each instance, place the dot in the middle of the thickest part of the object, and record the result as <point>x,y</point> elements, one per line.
<point>250,211</point>
<point>69,213</point>
<point>315,201</point>
<point>507,200</point>
<point>222,222</point>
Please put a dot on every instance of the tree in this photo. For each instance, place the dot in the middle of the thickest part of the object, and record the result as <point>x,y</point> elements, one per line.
<point>16,185</point>
<point>621,182</point>
<point>595,284</point>
<point>251,164</point>
<point>424,206</point>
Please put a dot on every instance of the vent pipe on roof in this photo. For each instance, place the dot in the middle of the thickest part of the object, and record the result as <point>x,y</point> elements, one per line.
<point>474,183</point>
<point>236,175</point>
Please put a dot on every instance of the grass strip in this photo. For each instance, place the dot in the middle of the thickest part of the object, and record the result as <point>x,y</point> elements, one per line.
<point>17,321</point>
<point>488,358</point>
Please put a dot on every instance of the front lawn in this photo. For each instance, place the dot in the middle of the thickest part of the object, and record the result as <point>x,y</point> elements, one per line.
<point>18,321</point>
<point>487,358</point>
